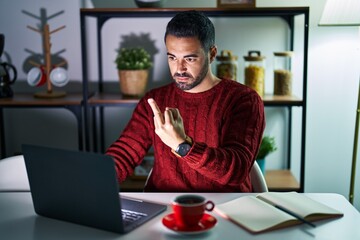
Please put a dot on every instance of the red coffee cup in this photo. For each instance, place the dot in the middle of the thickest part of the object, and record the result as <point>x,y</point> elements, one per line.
<point>189,209</point>
<point>36,76</point>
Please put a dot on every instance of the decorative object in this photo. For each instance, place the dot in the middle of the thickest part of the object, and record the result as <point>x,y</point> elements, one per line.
<point>133,67</point>
<point>47,73</point>
<point>255,72</point>
<point>345,13</point>
<point>282,73</point>
<point>227,67</point>
<point>150,3</point>
<point>236,3</point>
<point>267,146</point>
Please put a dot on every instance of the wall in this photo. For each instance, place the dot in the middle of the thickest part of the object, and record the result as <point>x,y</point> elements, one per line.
<point>333,78</point>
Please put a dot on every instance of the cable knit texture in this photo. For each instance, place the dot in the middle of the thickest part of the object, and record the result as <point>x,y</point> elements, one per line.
<point>226,124</point>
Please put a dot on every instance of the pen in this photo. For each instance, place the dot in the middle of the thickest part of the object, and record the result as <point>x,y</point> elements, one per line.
<point>294,215</point>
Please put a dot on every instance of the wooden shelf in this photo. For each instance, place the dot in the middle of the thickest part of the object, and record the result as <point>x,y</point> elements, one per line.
<point>281,180</point>
<point>274,100</point>
<point>119,99</point>
<point>112,98</point>
<point>277,180</point>
<point>28,99</point>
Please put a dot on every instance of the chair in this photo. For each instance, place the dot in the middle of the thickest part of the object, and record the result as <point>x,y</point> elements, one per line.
<point>13,175</point>
<point>257,179</point>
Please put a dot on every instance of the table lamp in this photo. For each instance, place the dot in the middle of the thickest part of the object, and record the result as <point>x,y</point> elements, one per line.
<point>345,13</point>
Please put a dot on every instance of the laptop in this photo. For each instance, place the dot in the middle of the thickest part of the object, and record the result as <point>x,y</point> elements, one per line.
<point>81,187</point>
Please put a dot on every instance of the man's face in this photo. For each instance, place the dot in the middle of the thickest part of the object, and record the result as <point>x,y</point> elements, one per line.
<point>188,62</point>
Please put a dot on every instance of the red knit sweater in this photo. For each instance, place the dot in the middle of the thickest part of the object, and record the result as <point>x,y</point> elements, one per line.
<point>226,124</point>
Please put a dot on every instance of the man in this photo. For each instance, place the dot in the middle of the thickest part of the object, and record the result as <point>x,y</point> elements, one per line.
<point>205,131</point>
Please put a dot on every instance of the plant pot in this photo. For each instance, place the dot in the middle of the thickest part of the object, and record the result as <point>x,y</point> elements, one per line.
<point>261,163</point>
<point>133,82</point>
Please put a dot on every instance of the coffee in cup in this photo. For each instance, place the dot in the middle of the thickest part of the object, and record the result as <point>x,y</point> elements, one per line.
<point>189,209</point>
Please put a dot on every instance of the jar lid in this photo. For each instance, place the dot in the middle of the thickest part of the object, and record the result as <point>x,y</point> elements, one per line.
<point>226,55</point>
<point>251,58</point>
<point>284,54</point>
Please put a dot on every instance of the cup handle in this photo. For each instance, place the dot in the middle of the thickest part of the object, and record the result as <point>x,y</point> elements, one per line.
<point>209,206</point>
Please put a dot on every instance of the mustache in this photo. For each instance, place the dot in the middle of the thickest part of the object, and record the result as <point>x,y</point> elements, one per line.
<point>182,75</point>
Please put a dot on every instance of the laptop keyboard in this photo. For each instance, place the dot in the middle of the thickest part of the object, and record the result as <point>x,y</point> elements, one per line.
<point>130,216</point>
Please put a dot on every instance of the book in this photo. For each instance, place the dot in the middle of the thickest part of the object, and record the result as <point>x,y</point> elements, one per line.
<point>274,210</point>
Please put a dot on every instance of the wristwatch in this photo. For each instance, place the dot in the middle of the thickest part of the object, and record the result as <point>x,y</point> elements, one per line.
<point>183,148</point>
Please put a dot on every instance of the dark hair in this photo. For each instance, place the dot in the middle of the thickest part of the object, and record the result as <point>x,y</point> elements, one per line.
<point>192,24</point>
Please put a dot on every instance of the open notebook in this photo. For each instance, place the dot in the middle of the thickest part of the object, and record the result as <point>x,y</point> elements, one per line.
<point>260,213</point>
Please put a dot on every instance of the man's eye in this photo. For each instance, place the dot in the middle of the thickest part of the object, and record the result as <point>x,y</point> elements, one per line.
<point>171,58</point>
<point>190,59</point>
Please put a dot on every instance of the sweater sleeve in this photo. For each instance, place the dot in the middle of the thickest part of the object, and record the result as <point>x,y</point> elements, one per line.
<point>134,142</point>
<point>229,163</point>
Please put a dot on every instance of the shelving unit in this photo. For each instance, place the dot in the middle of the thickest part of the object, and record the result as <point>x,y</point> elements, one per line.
<point>71,102</point>
<point>277,180</point>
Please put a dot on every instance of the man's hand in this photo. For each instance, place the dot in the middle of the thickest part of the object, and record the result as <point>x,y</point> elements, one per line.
<point>168,126</point>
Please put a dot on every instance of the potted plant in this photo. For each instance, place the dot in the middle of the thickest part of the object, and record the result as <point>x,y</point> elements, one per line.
<point>133,68</point>
<point>267,146</point>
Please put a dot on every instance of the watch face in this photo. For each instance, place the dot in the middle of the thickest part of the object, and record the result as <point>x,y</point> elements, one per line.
<point>183,149</point>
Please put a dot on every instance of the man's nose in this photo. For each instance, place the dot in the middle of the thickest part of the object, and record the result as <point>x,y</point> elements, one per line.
<point>181,66</point>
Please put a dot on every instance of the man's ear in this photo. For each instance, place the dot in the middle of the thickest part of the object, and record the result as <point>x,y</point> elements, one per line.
<point>213,52</point>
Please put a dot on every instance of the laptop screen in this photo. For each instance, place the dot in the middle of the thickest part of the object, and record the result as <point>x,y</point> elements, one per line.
<point>80,187</point>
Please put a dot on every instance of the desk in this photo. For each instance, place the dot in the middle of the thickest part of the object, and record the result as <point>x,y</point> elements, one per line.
<point>72,102</point>
<point>19,221</point>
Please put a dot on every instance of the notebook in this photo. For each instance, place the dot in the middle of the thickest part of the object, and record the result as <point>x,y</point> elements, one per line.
<point>81,187</point>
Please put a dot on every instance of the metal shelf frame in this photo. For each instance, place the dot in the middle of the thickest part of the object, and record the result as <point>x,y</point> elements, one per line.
<point>104,14</point>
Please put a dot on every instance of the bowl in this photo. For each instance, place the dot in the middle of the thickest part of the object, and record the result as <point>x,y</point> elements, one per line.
<point>150,3</point>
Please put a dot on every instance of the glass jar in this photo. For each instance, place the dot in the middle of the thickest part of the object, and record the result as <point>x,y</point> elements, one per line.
<point>255,72</point>
<point>282,73</point>
<point>227,66</point>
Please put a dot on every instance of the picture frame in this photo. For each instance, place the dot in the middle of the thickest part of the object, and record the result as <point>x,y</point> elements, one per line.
<point>236,3</point>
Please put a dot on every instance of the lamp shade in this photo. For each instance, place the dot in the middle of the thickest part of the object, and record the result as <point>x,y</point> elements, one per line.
<point>341,13</point>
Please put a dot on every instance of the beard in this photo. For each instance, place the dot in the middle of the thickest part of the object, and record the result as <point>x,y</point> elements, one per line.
<point>192,81</point>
